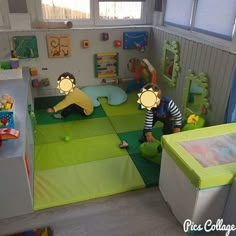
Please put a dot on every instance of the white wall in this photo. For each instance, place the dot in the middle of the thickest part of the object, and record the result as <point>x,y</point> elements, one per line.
<point>81,63</point>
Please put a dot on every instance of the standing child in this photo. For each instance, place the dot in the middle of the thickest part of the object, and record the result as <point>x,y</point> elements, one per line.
<point>166,111</point>
<point>75,101</point>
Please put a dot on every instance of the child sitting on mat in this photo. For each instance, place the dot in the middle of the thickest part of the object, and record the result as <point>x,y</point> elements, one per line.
<point>165,111</point>
<point>75,100</point>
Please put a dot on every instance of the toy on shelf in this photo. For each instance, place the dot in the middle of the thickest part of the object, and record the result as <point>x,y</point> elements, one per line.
<point>7,130</point>
<point>6,102</point>
<point>7,133</point>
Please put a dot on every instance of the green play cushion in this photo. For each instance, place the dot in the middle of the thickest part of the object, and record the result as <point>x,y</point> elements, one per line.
<point>90,180</point>
<point>151,151</point>
<point>200,176</point>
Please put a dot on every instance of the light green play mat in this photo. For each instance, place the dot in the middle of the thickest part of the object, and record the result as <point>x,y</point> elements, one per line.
<point>90,164</point>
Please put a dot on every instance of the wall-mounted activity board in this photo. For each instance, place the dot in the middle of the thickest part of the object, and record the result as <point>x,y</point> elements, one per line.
<point>135,40</point>
<point>59,46</point>
<point>25,46</point>
<point>106,65</point>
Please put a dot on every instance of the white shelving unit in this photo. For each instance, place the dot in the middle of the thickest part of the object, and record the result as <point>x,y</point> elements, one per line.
<point>17,155</point>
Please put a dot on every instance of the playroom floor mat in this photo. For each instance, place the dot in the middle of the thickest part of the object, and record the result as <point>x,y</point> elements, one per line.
<point>90,164</point>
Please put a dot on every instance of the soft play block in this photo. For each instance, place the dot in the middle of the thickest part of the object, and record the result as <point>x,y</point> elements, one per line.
<point>197,170</point>
<point>115,95</point>
<point>207,156</point>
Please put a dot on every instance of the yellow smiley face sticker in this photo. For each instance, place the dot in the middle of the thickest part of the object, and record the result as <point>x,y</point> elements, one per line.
<point>65,85</point>
<point>148,98</point>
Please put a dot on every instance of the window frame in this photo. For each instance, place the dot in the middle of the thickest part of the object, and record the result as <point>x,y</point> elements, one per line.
<point>94,16</point>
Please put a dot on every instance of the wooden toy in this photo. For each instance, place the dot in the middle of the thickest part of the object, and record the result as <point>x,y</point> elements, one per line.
<point>33,71</point>
<point>117,43</point>
<point>59,45</point>
<point>85,43</point>
<point>105,36</point>
<point>45,82</point>
<point>107,65</point>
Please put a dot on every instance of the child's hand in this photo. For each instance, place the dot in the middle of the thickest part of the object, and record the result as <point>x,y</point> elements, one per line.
<point>176,130</point>
<point>50,110</point>
<point>149,137</point>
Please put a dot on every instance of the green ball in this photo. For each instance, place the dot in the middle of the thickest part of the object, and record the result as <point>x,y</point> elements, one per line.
<point>151,151</point>
<point>66,138</point>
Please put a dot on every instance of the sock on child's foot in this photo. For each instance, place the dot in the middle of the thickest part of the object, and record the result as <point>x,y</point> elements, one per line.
<point>58,116</point>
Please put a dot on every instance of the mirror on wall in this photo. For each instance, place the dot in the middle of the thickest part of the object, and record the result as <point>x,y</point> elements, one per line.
<point>170,62</point>
<point>195,96</point>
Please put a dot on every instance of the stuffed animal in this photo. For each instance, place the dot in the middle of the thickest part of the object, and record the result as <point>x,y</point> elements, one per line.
<point>6,103</point>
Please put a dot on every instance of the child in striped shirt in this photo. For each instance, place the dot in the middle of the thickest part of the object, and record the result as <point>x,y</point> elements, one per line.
<point>166,112</point>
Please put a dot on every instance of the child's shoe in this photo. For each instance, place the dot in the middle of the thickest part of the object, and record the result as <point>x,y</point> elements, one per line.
<point>142,139</point>
<point>58,116</point>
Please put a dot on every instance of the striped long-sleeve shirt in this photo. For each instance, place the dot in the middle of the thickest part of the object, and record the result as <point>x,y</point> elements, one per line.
<point>166,110</point>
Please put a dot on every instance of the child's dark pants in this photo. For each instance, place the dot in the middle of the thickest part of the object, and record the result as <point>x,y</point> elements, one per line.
<point>73,108</point>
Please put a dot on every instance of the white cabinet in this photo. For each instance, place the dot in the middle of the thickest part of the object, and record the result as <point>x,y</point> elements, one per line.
<point>16,155</point>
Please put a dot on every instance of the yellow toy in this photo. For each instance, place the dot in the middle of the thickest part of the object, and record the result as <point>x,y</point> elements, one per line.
<point>6,103</point>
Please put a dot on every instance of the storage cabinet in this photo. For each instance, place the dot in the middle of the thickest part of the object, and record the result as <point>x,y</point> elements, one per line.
<point>16,155</point>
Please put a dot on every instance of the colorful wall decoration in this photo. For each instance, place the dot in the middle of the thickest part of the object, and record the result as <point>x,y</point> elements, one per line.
<point>25,46</point>
<point>59,46</point>
<point>135,40</point>
<point>106,65</point>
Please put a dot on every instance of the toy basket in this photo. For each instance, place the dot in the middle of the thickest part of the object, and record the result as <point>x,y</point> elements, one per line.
<point>7,119</point>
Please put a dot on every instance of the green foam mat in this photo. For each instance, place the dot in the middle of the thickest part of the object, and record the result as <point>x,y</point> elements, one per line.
<point>132,138</point>
<point>74,130</point>
<point>149,171</point>
<point>45,102</point>
<point>129,107</point>
<point>43,117</point>
<point>76,183</point>
<point>77,151</point>
<point>131,122</point>
<point>90,164</point>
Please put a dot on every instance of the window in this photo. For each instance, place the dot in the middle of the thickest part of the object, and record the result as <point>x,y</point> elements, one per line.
<point>179,16</point>
<point>104,13</point>
<point>65,9</point>
<point>211,17</point>
<point>220,22</point>
<point>120,10</point>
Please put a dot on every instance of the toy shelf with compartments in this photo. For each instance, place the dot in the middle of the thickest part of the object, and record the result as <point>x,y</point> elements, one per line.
<point>16,155</point>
